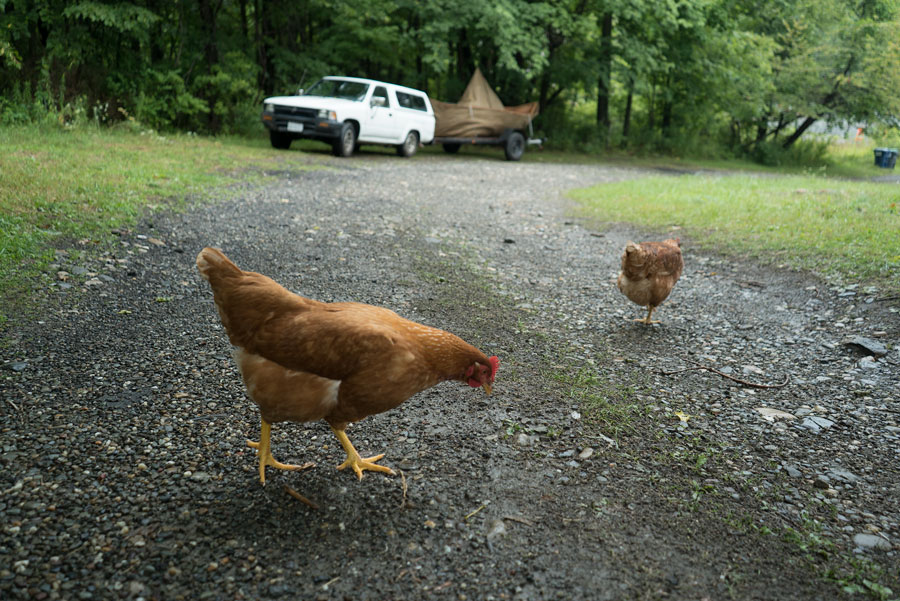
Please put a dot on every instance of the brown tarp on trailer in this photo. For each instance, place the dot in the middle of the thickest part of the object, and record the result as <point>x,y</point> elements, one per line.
<point>479,113</point>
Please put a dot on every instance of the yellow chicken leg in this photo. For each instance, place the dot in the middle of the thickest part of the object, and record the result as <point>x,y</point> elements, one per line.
<point>264,451</point>
<point>355,461</point>
<point>647,319</point>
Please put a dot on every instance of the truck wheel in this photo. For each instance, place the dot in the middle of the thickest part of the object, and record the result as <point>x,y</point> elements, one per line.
<point>409,146</point>
<point>279,140</point>
<point>451,148</point>
<point>346,142</point>
<point>515,146</point>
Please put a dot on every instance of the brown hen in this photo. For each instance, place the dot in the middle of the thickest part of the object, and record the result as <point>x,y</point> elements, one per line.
<point>649,272</point>
<point>304,360</point>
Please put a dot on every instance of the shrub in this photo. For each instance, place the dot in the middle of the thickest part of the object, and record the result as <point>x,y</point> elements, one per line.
<point>803,153</point>
<point>168,103</point>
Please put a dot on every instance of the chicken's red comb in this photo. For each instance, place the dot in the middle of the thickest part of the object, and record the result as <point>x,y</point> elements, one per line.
<point>495,365</point>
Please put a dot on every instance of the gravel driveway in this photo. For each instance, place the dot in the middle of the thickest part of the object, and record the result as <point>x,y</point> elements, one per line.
<point>125,472</point>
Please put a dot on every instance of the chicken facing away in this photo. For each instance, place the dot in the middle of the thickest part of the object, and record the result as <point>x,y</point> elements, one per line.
<point>304,360</point>
<point>649,272</point>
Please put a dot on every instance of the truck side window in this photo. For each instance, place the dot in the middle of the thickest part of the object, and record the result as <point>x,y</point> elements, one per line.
<point>381,92</point>
<point>411,101</point>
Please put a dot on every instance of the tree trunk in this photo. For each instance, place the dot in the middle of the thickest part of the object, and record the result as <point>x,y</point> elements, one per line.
<point>666,116</point>
<point>667,106</point>
<point>603,82</point>
<point>544,90</point>
<point>208,13</point>
<point>626,120</point>
<point>782,122</point>
<point>799,132</point>
<point>762,130</point>
<point>242,9</point>
<point>264,77</point>
<point>464,66</point>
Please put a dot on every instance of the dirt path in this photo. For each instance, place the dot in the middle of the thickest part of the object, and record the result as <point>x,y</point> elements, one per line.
<point>125,473</point>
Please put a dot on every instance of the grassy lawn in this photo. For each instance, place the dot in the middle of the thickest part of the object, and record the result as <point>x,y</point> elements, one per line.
<point>843,160</point>
<point>845,231</point>
<point>72,187</point>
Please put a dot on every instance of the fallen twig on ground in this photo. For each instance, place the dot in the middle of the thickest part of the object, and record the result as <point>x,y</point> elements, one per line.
<point>404,487</point>
<point>697,365</point>
<point>519,519</point>
<point>474,512</point>
<point>299,497</point>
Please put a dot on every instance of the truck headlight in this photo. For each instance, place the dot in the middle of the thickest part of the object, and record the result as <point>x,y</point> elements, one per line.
<point>269,107</point>
<point>326,114</point>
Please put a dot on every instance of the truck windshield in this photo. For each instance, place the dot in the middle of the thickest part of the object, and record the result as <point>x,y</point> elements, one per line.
<point>338,88</point>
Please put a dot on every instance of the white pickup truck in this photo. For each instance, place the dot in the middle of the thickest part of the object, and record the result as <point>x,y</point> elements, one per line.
<point>346,112</point>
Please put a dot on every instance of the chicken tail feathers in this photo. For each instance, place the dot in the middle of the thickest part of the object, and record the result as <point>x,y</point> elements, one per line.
<point>213,264</point>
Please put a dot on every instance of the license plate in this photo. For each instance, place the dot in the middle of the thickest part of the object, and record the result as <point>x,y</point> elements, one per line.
<point>297,127</point>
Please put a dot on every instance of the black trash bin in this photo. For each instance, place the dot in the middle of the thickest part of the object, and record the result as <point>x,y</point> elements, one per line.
<point>886,157</point>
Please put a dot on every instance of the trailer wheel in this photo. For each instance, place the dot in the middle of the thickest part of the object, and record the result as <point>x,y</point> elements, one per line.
<point>279,140</point>
<point>346,142</point>
<point>515,146</point>
<point>451,148</point>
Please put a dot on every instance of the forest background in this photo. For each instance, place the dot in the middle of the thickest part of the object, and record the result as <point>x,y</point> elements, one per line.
<point>715,78</point>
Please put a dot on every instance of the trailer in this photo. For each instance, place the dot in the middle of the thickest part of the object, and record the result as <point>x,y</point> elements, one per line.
<point>479,118</point>
<point>513,142</point>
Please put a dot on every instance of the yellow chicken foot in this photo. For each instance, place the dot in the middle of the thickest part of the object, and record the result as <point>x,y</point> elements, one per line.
<point>264,451</point>
<point>355,461</point>
<point>647,319</point>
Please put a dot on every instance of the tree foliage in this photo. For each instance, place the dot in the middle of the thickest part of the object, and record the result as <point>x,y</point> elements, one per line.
<point>743,74</point>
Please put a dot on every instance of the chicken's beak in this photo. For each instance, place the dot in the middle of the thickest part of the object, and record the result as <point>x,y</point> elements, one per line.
<point>487,387</point>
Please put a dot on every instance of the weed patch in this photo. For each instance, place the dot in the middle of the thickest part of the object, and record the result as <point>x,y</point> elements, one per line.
<point>70,187</point>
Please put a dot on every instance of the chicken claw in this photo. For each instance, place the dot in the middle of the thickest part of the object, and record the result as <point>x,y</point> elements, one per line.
<point>647,319</point>
<point>264,451</point>
<point>355,461</point>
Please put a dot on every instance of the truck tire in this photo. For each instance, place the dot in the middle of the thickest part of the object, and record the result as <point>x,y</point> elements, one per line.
<point>451,148</point>
<point>346,141</point>
<point>515,146</point>
<point>409,146</point>
<point>279,140</point>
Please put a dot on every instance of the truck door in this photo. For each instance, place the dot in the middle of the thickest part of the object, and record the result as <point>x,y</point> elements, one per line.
<point>383,123</point>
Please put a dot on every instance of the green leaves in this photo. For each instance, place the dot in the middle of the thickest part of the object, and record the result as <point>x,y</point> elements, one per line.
<point>122,17</point>
<point>725,70</point>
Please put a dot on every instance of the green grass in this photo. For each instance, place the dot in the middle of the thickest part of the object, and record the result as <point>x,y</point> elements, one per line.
<point>611,407</point>
<point>844,231</point>
<point>61,187</point>
<point>843,159</point>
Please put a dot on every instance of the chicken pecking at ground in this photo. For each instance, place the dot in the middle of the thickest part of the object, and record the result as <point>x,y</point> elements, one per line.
<point>304,360</point>
<point>649,272</point>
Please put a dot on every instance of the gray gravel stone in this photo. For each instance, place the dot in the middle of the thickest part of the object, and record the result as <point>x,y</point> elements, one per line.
<point>866,345</point>
<point>872,541</point>
<point>816,424</point>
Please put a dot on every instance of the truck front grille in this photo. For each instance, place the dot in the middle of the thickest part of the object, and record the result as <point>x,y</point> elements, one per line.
<point>294,112</point>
